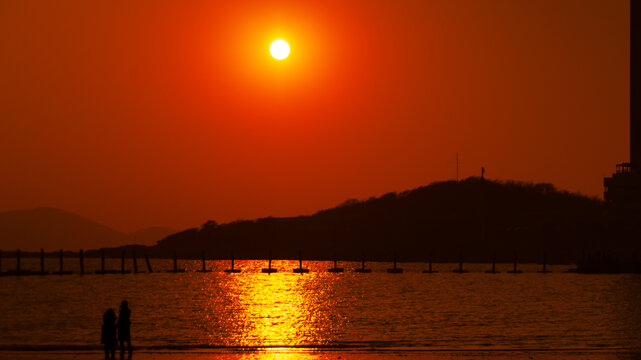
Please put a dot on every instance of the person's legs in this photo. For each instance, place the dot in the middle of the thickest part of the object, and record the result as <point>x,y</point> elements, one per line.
<point>106,351</point>
<point>129,345</point>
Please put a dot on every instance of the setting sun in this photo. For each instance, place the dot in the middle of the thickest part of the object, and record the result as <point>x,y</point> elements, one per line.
<point>279,49</point>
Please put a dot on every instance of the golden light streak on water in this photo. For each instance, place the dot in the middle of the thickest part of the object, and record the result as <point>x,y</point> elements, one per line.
<point>276,309</point>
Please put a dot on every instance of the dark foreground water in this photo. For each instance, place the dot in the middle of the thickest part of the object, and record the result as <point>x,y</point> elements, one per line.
<point>368,314</point>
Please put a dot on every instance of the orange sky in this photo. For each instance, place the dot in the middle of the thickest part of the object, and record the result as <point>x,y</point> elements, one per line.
<point>141,113</point>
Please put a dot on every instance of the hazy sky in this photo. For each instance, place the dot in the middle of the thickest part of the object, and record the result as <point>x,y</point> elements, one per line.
<point>140,113</point>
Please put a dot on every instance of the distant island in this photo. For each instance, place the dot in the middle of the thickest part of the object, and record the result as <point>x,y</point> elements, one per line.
<point>55,229</point>
<point>472,218</point>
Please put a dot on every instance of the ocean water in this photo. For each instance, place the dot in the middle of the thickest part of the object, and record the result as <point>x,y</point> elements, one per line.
<point>409,312</point>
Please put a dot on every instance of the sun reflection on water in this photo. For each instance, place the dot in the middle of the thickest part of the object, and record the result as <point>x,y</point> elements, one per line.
<point>268,310</point>
<point>322,315</point>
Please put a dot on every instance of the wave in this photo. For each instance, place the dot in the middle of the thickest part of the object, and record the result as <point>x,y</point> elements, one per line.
<point>356,346</point>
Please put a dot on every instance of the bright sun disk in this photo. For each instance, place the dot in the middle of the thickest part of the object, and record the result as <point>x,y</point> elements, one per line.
<point>279,49</point>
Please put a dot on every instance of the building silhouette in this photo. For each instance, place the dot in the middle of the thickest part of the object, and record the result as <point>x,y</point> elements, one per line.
<point>622,190</point>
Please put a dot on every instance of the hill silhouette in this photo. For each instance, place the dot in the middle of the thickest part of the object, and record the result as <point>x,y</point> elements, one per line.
<point>52,229</point>
<point>475,216</point>
<point>151,235</point>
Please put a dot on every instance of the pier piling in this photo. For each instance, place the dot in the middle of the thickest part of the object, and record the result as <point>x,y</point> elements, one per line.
<point>104,271</point>
<point>269,268</point>
<point>61,270</point>
<point>460,269</point>
<point>494,263</point>
<point>429,266</point>
<point>514,269</point>
<point>363,269</point>
<point>42,261</point>
<point>148,264</point>
<point>175,262</point>
<point>336,269</point>
<point>175,269</point>
<point>394,269</point>
<point>300,269</point>
<point>232,270</point>
<point>133,256</point>
<point>82,262</point>
<point>204,269</point>
<point>493,270</point>
<point>19,271</point>
<point>544,270</point>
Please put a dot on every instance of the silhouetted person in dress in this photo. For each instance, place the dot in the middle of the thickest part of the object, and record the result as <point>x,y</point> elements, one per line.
<point>124,334</point>
<point>108,337</point>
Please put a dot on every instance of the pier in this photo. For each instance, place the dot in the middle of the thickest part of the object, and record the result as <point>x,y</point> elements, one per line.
<point>40,268</point>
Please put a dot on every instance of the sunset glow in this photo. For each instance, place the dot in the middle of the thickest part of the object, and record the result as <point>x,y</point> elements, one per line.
<point>365,103</point>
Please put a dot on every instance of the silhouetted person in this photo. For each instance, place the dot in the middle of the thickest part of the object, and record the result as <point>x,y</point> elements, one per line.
<point>124,334</point>
<point>108,337</point>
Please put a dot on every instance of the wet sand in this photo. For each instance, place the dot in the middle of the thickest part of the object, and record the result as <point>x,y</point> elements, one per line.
<point>310,354</point>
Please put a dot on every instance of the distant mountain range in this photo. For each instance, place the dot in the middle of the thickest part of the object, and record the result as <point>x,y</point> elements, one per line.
<point>52,229</point>
<point>473,218</point>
